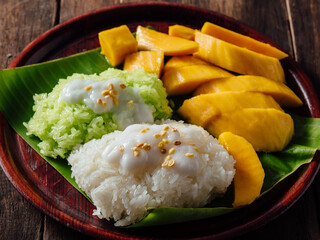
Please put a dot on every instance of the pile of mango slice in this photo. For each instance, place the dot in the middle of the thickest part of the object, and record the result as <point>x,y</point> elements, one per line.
<point>237,85</point>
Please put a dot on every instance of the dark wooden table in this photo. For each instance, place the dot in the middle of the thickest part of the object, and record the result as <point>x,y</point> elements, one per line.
<point>292,24</point>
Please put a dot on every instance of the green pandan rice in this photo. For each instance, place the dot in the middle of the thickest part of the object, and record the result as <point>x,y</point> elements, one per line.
<point>60,125</point>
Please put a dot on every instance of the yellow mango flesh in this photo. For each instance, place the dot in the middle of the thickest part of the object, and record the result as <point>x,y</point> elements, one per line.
<point>184,80</point>
<point>242,40</point>
<point>202,109</point>
<point>149,39</point>
<point>183,61</point>
<point>249,83</point>
<point>151,61</point>
<point>181,31</point>
<point>117,43</point>
<point>237,59</point>
<point>268,130</point>
<point>249,176</point>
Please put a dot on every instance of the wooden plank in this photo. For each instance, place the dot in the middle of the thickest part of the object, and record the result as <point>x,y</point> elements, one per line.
<point>306,39</point>
<point>268,17</point>
<point>21,22</point>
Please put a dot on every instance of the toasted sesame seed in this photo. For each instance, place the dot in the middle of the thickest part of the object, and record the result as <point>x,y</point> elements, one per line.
<point>104,103</point>
<point>174,130</point>
<point>139,145</point>
<point>196,149</point>
<point>165,141</point>
<point>134,148</point>
<point>172,150</point>
<point>161,145</point>
<point>87,88</point>
<point>168,158</point>
<point>115,100</point>
<point>189,154</point>
<point>121,148</point>
<point>163,133</point>
<point>171,163</point>
<point>164,164</point>
<point>146,147</point>
<point>177,142</point>
<point>163,150</point>
<point>114,92</point>
<point>130,102</point>
<point>145,130</point>
<point>166,128</point>
<point>136,153</point>
<point>107,97</point>
<point>122,85</point>
<point>105,92</point>
<point>99,101</point>
<point>156,135</point>
<point>110,86</point>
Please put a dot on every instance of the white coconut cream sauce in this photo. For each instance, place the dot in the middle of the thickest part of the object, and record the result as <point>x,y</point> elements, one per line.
<point>113,95</point>
<point>140,148</point>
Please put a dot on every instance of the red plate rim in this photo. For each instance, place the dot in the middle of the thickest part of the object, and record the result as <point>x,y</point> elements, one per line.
<point>27,190</point>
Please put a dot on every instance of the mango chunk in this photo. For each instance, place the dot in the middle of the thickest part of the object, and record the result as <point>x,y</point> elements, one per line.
<point>184,80</point>
<point>116,43</point>
<point>202,109</point>
<point>183,61</point>
<point>149,39</point>
<point>249,83</point>
<point>268,130</point>
<point>249,176</point>
<point>151,61</point>
<point>237,59</point>
<point>242,40</point>
<point>182,32</point>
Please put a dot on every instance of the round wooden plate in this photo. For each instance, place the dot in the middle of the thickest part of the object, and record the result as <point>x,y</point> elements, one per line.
<point>42,185</point>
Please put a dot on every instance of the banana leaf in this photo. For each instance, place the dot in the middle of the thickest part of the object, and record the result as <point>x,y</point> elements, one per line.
<point>18,86</point>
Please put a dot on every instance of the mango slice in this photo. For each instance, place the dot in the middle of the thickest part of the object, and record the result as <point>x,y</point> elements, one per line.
<point>249,176</point>
<point>268,130</point>
<point>183,61</point>
<point>184,80</point>
<point>149,39</point>
<point>116,43</point>
<point>237,59</point>
<point>242,40</point>
<point>249,83</point>
<point>202,109</point>
<point>151,61</point>
<point>182,32</point>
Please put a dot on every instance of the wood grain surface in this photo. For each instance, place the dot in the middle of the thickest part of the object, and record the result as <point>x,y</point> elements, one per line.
<point>292,24</point>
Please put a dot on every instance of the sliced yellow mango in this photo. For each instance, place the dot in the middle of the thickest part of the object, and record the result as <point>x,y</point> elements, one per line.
<point>268,130</point>
<point>202,109</point>
<point>116,43</point>
<point>242,40</point>
<point>149,39</point>
<point>249,83</point>
<point>249,176</point>
<point>181,31</point>
<point>183,61</point>
<point>237,59</point>
<point>151,61</point>
<point>184,80</point>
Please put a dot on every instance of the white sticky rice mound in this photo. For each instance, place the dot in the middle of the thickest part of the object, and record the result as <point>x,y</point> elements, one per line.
<point>125,197</point>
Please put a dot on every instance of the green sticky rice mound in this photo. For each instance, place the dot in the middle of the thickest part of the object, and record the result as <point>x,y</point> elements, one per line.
<point>61,126</point>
